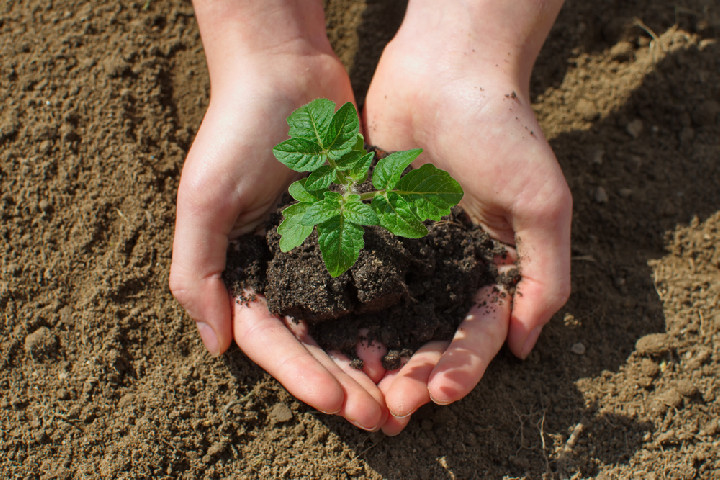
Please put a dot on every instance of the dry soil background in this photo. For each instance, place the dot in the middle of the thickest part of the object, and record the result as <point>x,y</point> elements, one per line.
<point>103,376</point>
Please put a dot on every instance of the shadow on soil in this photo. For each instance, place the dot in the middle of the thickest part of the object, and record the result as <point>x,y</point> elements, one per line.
<point>587,28</point>
<point>526,417</point>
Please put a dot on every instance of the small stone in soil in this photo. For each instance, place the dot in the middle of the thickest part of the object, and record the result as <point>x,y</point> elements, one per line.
<point>653,344</point>
<point>280,413</point>
<point>634,128</point>
<point>686,388</point>
<point>669,398</point>
<point>649,368</point>
<point>710,428</point>
<point>215,449</point>
<point>40,343</point>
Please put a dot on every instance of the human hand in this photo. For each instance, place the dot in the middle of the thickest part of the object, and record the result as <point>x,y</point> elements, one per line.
<point>464,99</point>
<point>230,181</point>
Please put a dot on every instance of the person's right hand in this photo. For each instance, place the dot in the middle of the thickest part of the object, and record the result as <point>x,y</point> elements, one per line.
<point>455,81</point>
<point>231,180</point>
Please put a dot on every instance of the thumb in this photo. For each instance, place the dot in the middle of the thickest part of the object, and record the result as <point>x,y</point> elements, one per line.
<point>543,244</point>
<point>207,209</point>
<point>203,223</point>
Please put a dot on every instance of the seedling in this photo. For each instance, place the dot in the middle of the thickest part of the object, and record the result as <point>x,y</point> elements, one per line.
<point>329,145</point>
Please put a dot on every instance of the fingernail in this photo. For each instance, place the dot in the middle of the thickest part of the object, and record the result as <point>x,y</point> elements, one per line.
<point>530,342</point>
<point>330,413</point>
<point>401,415</point>
<point>438,402</point>
<point>369,429</point>
<point>208,337</point>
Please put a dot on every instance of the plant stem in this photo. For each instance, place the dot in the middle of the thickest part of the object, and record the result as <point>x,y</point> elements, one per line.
<point>340,176</point>
<point>370,195</point>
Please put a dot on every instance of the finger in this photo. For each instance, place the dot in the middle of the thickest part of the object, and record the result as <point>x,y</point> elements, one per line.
<point>198,260</point>
<point>475,344</point>
<point>364,405</point>
<point>205,216</point>
<point>371,353</point>
<point>218,195</point>
<point>409,389</point>
<point>543,243</point>
<point>266,340</point>
<point>393,425</point>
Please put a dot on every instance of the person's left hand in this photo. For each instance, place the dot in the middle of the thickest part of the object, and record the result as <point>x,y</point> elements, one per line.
<point>265,59</point>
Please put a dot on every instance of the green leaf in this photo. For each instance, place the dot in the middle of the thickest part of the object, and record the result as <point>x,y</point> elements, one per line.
<point>356,211</point>
<point>360,169</point>
<point>298,191</point>
<point>329,145</point>
<point>388,170</point>
<point>342,134</point>
<point>397,215</point>
<point>321,178</point>
<point>431,192</point>
<point>330,206</point>
<point>312,121</point>
<point>349,160</point>
<point>299,154</point>
<point>360,143</point>
<point>340,244</point>
<point>292,232</point>
<point>357,164</point>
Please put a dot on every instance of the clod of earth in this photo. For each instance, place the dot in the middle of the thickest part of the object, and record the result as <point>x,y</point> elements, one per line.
<point>405,291</point>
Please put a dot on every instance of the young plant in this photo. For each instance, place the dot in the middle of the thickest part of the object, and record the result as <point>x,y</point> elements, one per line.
<point>328,144</point>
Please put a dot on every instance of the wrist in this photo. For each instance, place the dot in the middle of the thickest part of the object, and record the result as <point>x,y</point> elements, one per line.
<point>242,36</point>
<point>506,34</point>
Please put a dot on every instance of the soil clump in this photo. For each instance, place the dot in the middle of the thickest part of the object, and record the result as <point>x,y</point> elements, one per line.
<point>402,292</point>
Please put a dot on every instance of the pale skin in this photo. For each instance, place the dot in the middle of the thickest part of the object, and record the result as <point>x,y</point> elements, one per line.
<point>453,81</point>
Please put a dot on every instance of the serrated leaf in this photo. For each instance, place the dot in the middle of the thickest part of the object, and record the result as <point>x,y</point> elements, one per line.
<point>341,136</point>
<point>356,164</point>
<point>330,206</point>
<point>340,244</point>
<point>292,232</point>
<point>360,170</point>
<point>431,192</point>
<point>312,121</point>
<point>298,191</point>
<point>348,161</point>
<point>360,143</point>
<point>356,211</point>
<point>321,178</point>
<point>389,169</point>
<point>299,154</point>
<point>397,215</point>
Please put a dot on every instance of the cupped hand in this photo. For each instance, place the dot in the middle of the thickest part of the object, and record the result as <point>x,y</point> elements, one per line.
<point>229,182</point>
<point>469,110</point>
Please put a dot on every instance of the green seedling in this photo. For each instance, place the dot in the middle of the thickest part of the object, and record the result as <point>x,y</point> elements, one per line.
<point>329,145</point>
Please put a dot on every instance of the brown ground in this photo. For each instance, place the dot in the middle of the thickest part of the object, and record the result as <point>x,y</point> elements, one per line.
<point>103,376</point>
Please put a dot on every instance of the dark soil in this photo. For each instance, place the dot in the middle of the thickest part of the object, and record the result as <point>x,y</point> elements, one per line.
<point>405,292</point>
<point>102,375</point>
